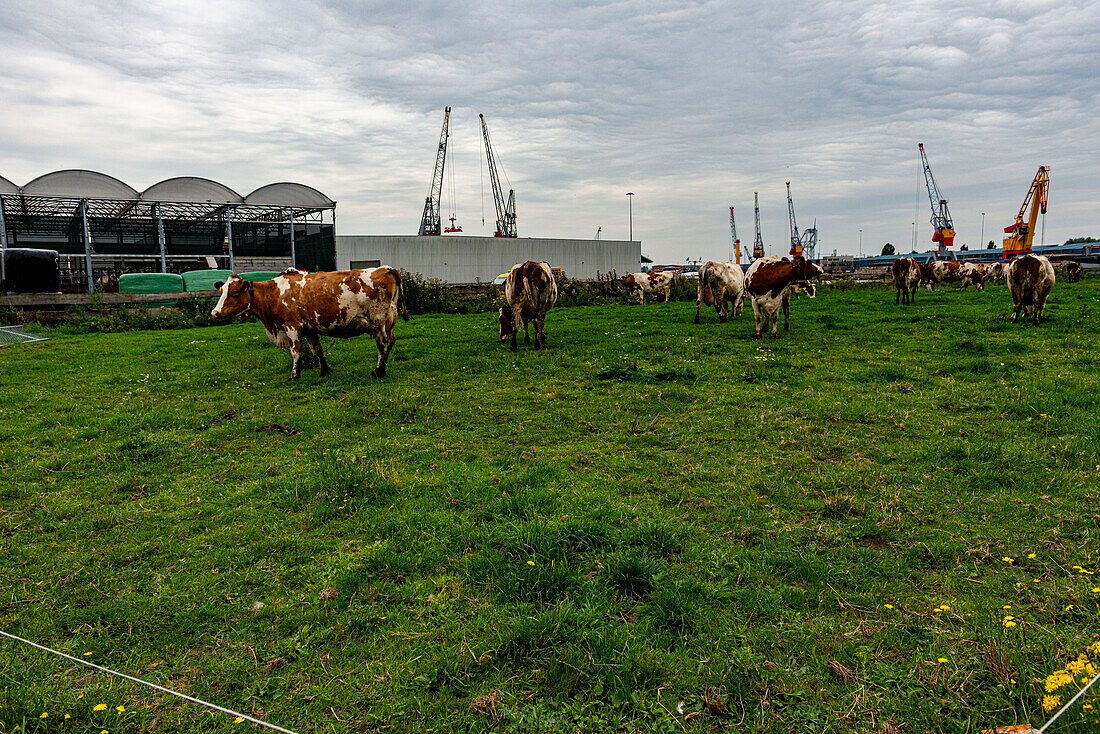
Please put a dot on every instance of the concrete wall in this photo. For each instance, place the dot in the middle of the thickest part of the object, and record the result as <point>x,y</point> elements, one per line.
<point>468,259</point>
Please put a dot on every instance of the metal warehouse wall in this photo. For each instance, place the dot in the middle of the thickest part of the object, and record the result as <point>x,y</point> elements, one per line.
<point>468,259</point>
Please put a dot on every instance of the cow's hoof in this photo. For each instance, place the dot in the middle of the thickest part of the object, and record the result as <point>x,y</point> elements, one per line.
<point>378,374</point>
<point>697,318</point>
<point>325,371</point>
<point>514,348</point>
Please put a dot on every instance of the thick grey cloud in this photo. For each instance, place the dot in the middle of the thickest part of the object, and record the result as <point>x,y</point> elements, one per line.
<point>692,106</point>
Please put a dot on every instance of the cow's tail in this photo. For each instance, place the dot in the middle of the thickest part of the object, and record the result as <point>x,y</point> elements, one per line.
<point>402,306</point>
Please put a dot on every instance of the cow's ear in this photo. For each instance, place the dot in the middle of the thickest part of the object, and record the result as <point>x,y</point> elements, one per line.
<point>218,284</point>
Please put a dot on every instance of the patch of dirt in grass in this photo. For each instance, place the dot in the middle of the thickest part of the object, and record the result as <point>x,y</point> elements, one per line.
<point>872,540</point>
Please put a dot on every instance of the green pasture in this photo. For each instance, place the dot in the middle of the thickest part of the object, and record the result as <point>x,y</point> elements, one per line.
<point>651,525</point>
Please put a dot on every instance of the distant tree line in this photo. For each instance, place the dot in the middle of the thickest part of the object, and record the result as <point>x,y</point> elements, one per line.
<point>1080,240</point>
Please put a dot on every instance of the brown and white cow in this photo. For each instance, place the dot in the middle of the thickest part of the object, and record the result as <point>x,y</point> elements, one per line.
<point>769,282</point>
<point>1030,280</point>
<point>721,284</point>
<point>993,272</point>
<point>1071,268</point>
<point>906,272</point>
<point>927,277</point>
<point>297,307</point>
<point>953,271</point>
<point>529,291</point>
<point>649,283</point>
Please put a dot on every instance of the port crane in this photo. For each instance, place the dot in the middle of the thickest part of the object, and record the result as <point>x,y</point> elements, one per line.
<point>944,234</point>
<point>429,221</point>
<point>735,244</point>
<point>758,244</point>
<point>805,244</point>
<point>506,208</point>
<point>1021,233</point>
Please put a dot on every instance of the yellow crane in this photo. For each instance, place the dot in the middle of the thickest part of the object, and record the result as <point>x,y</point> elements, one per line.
<point>1020,235</point>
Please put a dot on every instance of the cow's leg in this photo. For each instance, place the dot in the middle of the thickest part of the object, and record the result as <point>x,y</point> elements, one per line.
<point>738,304</point>
<point>516,321</point>
<point>1016,311</point>
<point>897,294</point>
<point>668,294</point>
<point>382,341</point>
<point>540,335</point>
<point>786,315</point>
<point>295,354</point>
<point>641,296</point>
<point>526,334</point>
<point>314,343</point>
<point>1040,304</point>
<point>756,314</point>
<point>775,323</point>
<point>698,304</point>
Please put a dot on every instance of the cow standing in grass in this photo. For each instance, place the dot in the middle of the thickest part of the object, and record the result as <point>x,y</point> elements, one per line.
<point>297,308</point>
<point>1030,280</point>
<point>952,271</point>
<point>769,282</point>
<point>1071,268</point>
<point>529,291</point>
<point>721,284</point>
<point>906,272</point>
<point>643,283</point>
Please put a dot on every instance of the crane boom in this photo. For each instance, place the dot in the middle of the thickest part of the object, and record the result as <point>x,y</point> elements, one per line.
<point>944,234</point>
<point>429,221</point>
<point>735,244</point>
<point>506,209</point>
<point>796,240</point>
<point>758,244</point>
<point>1021,233</point>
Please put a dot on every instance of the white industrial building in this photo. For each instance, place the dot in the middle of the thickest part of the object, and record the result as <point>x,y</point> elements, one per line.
<point>461,259</point>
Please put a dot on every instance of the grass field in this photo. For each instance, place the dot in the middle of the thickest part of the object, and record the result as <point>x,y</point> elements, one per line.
<point>887,516</point>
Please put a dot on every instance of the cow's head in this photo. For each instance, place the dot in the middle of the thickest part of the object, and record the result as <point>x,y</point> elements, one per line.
<point>629,283</point>
<point>507,325</point>
<point>236,297</point>
<point>805,269</point>
<point>806,287</point>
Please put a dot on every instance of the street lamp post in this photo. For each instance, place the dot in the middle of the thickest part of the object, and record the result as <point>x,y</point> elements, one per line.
<point>630,209</point>
<point>861,243</point>
<point>981,242</point>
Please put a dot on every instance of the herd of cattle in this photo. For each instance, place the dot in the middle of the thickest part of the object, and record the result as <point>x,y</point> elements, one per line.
<point>296,308</point>
<point>1030,279</point>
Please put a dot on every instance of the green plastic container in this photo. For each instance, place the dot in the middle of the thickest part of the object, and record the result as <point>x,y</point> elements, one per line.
<point>260,275</point>
<point>203,280</point>
<point>151,283</point>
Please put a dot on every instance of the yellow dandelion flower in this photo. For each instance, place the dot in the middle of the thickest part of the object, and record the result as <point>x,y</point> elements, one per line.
<point>81,696</point>
<point>120,709</point>
<point>944,607</point>
<point>1010,623</point>
<point>103,732</point>
<point>1007,606</point>
<point>67,716</point>
<point>87,653</point>
<point>888,606</point>
<point>941,660</point>
<point>1030,555</point>
<point>530,563</point>
<point>1068,607</point>
<point>43,715</point>
<point>99,707</point>
<point>1096,590</point>
<point>1008,560</point>
<point>1009,617</point>
<point>238,720</point>
<point>1051,702</point>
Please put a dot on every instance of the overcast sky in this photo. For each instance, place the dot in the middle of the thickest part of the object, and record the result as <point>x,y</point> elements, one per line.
<point>691,106</point>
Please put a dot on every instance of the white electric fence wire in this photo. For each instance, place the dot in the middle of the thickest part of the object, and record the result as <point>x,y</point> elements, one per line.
<point>1068,704</point>
<point>231,712</point>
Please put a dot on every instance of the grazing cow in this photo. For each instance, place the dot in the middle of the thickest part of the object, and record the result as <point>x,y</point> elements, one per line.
<point>927,277</point>
<point>297,307</point>
<point>1030,280</point>
<point>529,291</point>
<point>951,271</point>
<point>1071,268</point>
<point>649,283</point>
<point>906,272</point>
<point>993,272</point>
<point>770,281</point>
<point>721,284</point>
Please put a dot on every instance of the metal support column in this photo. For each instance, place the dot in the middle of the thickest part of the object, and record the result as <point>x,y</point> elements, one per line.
<point>87,245</point>
<point>3,245</point>
<point>229,236</point>
<point>293,250</point>
<point>161,240</point>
